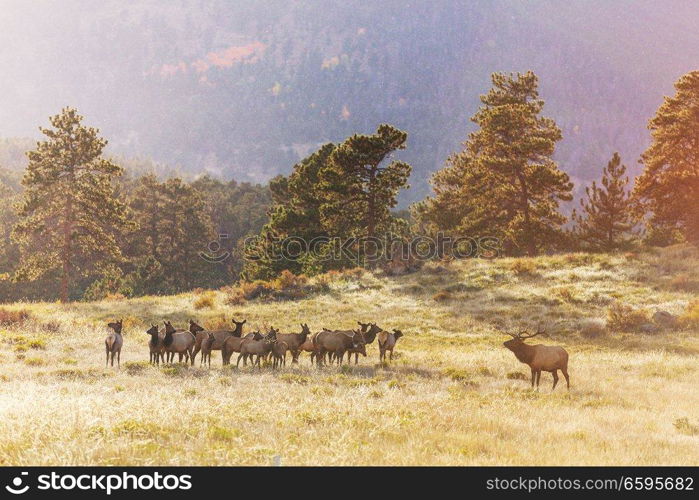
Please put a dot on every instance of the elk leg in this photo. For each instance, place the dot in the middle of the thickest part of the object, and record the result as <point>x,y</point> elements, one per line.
<point>533,377</point>
<point>119,358</point>
<point>565,374</point>
<point>197,348</point>
<point>390,357</point>
<point>555,379</point>
<point>107,362</point>
<point>538,378</point>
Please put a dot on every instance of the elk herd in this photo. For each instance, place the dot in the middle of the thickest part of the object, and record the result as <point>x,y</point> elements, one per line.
<point>325,346</point>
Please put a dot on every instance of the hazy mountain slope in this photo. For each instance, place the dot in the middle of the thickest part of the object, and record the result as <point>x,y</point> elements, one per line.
<point>244,89</point>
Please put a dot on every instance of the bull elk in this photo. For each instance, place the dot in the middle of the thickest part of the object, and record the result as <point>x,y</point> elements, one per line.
<point>539,357</point>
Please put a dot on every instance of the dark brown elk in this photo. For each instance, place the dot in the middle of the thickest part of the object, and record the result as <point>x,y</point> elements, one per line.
<point>279,349</point>
<point>114,341</point>
<point>337,343</point>
<point>155,345</point>
<point>294,341</point>
<point>232,344</point>
<point>206,345</point>
<point>220,336</point>
<point>179,342</point>
<point>369,332</point>
<point>387,341</point>
<point>539,357</point>
<point>260,348</point>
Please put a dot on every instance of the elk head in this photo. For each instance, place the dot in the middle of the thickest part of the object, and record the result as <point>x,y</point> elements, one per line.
<point>304,329</point>
<point>517,340</point>
<point>116,325</point>
<point>153,330</point>
<point>238,327</point>
<point>194,328</point>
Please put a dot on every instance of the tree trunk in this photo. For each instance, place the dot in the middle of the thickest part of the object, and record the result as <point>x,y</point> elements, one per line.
<point>371,212</point>
<point>67,251</point>
<point>524,200</point>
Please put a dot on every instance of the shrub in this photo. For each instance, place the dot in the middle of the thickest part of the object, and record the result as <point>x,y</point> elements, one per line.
<point>136,367</point>
<point>13,317</point>
<point>442,296</point>
<point>288,280</point>
<point>684,426</point>
<point>517,376</point>
<point>683,283</point>
<point>622,317</point>
<point>566,294</point>
<point>593,328</point>
<point>114,297</point>
<point>205,301</point>
<point>524,267</point>
<point>691,316</point>
<point>254,289</point>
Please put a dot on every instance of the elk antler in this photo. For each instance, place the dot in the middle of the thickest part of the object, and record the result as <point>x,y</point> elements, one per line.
<point>524,335</point>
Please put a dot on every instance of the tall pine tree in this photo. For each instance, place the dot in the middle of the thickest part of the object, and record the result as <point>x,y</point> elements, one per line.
<point>668,188</point>
<point>295,212</point>
<point>606,220</point>
<point>505,183</point>
<point>69,216</point>
<point>359,186</point>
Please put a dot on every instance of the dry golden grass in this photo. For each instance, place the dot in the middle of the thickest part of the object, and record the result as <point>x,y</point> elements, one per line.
<point>453,394</point>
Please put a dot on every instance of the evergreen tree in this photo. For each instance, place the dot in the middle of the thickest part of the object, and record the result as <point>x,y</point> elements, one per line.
<point>505,183</point>
<point>359,188</point>
<point>668,188</point>
<point>297,201</point>
<point>606,216</point>
<point>173,229</point>
<point>69,215</point>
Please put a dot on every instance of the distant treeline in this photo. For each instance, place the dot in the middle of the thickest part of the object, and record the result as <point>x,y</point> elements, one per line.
<point>170,222</point>
<point>79,226</point>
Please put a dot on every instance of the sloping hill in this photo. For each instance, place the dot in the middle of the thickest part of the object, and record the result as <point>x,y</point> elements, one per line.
<point>452,395</point>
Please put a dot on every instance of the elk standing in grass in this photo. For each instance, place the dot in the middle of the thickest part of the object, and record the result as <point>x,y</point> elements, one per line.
<point>206,346</point>
<point>220,336</point>
<point>539,357</point>
<point>232,344</point>
<point>387,341</point>
<point>259,348</point>
<point>155,345</point>
<point>369,332</point>
<point>337,343</point>
<point>294,341</point>
<point>279,349</point>
<point>114,341</point>
<point>178,341</point>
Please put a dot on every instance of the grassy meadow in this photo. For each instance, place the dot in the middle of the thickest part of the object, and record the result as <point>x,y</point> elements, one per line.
<point>453,395</point>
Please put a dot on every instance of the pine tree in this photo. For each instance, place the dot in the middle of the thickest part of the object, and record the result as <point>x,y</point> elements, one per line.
<point>173,229</point>
<point>295,212</point>
<point>505,183</point>
<point>606,218</point>
<point>668,188</point>
<point>69,215</point>
<point>360,189</point>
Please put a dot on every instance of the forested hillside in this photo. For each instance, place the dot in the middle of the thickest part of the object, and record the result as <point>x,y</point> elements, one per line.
<point>246,89</point>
